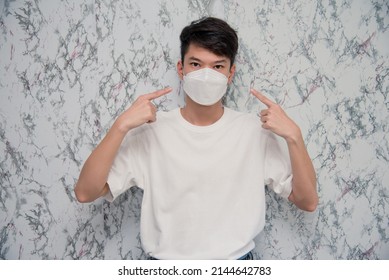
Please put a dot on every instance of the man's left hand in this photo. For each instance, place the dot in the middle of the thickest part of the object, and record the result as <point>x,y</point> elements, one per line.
<point>275,119</point>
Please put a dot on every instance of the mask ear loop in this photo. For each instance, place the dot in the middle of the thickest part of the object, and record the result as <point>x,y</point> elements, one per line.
<point>181,88</point>
<point>181,94</point>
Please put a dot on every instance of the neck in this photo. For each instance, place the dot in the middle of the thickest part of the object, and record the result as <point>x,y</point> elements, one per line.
<point>200,115</point>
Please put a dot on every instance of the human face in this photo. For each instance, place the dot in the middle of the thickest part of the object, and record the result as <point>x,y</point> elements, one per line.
<point>197,58</point>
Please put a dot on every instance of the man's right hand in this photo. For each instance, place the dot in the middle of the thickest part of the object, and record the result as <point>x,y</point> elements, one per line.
<point>92,182</point>
<point>141,111</point>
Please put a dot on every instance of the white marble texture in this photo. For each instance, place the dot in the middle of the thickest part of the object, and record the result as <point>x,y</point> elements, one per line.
<point>68,68</point>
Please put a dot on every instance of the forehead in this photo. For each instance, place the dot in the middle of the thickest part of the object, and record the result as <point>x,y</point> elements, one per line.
<point>196,52</point>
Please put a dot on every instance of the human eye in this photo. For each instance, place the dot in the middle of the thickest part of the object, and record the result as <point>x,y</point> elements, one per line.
<point>218,67</point>
<point>195,64</point>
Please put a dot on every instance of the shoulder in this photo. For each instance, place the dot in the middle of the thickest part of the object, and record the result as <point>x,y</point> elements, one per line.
<point>169,113</point>
<point>248,119</point>
<point>143,133</point>
<point>248,124</point>
<point>166,118</point>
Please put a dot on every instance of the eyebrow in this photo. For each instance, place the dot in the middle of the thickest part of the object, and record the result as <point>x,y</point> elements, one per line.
<point>215,62</point>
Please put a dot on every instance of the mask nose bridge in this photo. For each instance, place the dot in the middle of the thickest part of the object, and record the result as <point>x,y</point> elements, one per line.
<point>207,73</point>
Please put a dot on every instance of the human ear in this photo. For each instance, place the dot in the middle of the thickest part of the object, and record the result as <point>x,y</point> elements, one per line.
<point>231,74</point>
<point>180,69</point>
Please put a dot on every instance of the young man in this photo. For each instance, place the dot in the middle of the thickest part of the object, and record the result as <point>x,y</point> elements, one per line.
<point>203,168</point>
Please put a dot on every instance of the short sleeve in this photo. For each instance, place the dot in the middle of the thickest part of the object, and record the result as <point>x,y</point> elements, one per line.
<point>278,171</point>
<point>124,171</point>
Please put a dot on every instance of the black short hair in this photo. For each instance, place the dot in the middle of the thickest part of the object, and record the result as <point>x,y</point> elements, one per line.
<point>212,34</point>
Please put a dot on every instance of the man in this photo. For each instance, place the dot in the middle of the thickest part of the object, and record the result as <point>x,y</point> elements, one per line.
<point>203,167</point>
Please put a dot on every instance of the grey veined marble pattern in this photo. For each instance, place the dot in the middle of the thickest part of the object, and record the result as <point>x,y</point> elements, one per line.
<point>68,68</point>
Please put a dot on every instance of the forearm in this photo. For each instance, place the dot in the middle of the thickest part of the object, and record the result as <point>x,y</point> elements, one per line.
<point>304,193</point>
<point>94,174</point>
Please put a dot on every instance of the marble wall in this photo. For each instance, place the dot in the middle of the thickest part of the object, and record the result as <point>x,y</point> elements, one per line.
<point>68,68</point>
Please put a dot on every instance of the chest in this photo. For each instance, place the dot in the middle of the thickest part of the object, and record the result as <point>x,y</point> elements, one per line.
<point>224,151</point>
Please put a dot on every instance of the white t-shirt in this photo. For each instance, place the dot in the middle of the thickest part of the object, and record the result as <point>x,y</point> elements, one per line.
<point>204,186</point>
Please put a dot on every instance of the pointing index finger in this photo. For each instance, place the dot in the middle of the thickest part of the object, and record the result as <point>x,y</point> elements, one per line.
<point>158,93</point>
<point>262,98</point>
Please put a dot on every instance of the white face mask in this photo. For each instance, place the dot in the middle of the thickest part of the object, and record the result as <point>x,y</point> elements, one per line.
<point>205,86</point>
